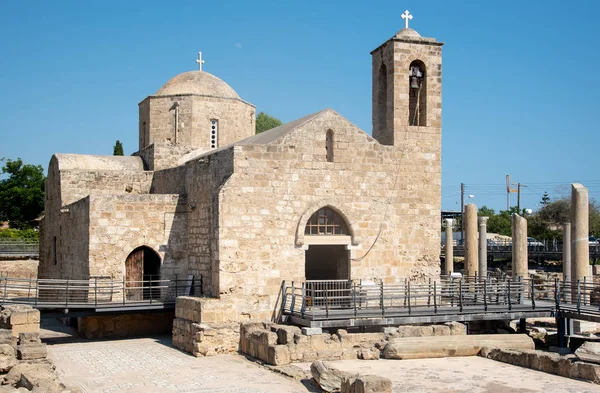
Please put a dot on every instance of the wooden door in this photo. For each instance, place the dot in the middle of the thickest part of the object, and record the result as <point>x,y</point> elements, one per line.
<point>134,273</point>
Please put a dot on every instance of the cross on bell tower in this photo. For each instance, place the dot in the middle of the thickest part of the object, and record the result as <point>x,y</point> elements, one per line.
<point>406,16</point>
<point>200,61</point>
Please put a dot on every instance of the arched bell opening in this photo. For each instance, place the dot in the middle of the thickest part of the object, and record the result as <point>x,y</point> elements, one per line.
<point>417,92</point>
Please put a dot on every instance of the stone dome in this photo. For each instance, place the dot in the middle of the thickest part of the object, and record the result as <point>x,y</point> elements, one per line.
<point>197,82</point>
<point>408,32</point>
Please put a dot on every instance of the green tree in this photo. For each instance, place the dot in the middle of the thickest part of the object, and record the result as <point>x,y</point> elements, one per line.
<point>118,149</point>
<point>485,211</point>
<point>21,193</point>
<point>545,199</point>
<point>547,222</point>
<point>265,122</point>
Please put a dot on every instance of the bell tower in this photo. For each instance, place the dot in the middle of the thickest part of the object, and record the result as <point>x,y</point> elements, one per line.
<point>407,86</point>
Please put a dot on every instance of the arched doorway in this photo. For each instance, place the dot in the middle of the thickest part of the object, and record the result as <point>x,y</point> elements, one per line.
<point>142,272</point>
<point>327,237</point>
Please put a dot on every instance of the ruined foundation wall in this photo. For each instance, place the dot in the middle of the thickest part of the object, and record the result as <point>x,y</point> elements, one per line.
<point>130,325</point>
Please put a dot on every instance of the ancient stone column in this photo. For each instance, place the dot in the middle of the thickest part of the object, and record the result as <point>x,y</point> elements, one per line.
<point>519,247</point>
<point>470,243</point>
<point>566,258</point>
<point>483,247</point>
<point>580,250</point>
<point>449,248</point>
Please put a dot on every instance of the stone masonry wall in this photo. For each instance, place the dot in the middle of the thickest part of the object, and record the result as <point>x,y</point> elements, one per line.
<point>203,327</point>
<point>204,178</point>
<point>235,117</point>
<point>160,156</point>
<point>121,223</point>
<point>212,336</point>
<point>71,178</point>
<point>129,325</point>
<point>65,248</point>
<point>264,206</point>
<point>283,344</point>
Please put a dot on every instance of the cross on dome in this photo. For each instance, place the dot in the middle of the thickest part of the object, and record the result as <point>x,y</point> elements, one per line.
<point>200,61</point>
<point>406,16</point>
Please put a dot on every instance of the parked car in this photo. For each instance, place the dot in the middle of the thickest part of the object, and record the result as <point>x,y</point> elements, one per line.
<point>533,242</point>
<point>593,241</point>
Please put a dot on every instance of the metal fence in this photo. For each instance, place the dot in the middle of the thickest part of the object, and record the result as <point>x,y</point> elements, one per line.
<point>330,299</point>
<point>95,292</point>
<point>19,247</point>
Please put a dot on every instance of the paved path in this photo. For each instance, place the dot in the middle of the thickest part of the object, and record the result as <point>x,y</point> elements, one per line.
<point>150,365</point>
<point>465,374</point>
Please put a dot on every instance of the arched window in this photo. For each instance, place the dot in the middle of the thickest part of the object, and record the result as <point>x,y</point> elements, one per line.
<point>382,98</point>
<point>326,221</point>
<point>329,145</point>
<point>417,92</point>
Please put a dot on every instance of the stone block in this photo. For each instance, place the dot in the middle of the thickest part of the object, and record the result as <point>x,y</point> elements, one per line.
<point>285,334</point>
<point>31,351</point>
<point>267,338</point>
<point>278,355</point>
<point>5,335</point>
<point>33,316</point>
<point>25,338</point>
<point>328,377</point>
<point>586,371</point>
<point>368,354</point>
<point>389,330</point>
<point>14,375</point>
<point>589,352</point>
<point>457,328</point>
<point>41,380</point>
<point>27,328</point>
<point>7,350</point>
<point>19,318</point>
<point>372,384</point>
<point>348,385</point>
<point>311,331</point>
<point>441,330</point>
<point>7,362</point>
<point>448,346</point>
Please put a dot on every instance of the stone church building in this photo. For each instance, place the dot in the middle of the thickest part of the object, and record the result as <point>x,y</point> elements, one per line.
<point>314,199</point>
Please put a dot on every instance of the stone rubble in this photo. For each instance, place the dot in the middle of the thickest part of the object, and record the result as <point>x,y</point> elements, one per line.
<point>23,363</point>
<point>589,352</point>
<point>328,377</point>
<point>282,344</point>
<point>569,366</point>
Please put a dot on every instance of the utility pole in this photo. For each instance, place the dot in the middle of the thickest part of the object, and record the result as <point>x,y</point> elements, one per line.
<point>462,212</point>
<point>519,185</point>
<point>518,198</point>
<point>508,191</point>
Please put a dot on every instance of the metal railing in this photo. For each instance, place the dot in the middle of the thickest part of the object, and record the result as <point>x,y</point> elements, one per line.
<point>96,292</point>
<point>19,247</point>
<point>334,299</point>
<point>502,245</point>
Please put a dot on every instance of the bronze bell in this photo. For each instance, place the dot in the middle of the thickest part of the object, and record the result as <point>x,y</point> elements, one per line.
<point>415,83</point>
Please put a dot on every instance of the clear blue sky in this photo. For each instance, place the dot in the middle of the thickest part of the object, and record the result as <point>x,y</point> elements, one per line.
<point>520,80</point>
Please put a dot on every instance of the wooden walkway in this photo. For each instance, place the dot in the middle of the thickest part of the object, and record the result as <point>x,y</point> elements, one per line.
<point>97,296</point>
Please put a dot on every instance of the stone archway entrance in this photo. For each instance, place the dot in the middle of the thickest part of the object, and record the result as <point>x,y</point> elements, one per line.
<point>141,268</point>
<point>327,237</point>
